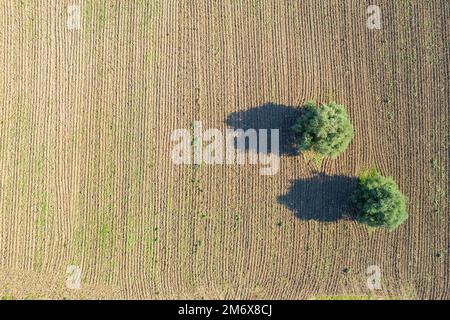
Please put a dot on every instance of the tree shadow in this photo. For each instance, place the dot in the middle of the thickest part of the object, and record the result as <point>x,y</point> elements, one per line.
<point>268,116</point>
<point>322,198</point>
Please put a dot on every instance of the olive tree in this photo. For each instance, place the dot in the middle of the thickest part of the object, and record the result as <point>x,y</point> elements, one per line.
<point>325,130</point>
<point>379,201</point>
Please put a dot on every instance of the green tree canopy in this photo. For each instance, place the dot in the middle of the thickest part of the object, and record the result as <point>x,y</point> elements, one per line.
<point>379,201</point>
<point>324,130</point>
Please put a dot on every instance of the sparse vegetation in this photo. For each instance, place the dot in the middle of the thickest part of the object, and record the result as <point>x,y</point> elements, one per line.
<point>7,297</point>
<point>347,270</point>
<point>325,130</point>
<point>237,220</point>
<point>379,201</point>
<point>434,163</point>
<point>197,244</point>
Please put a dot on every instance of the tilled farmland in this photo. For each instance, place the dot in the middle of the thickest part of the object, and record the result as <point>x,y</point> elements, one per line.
<point>87,177</point>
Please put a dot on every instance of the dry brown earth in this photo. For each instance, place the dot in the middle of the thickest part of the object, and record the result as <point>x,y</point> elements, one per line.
<point>85,172</point>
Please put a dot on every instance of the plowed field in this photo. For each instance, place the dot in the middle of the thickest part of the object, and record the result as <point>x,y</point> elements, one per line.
<point>86,176</point>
